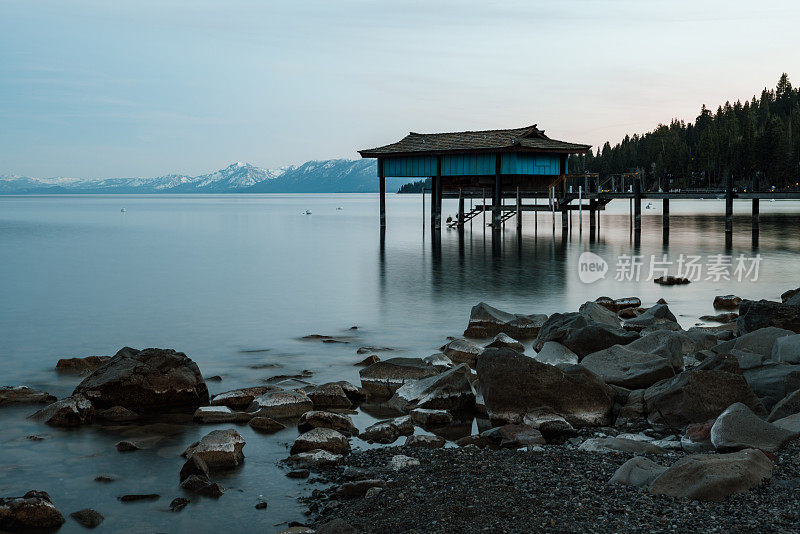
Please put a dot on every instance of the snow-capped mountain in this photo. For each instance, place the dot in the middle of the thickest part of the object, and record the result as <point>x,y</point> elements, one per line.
<point>330,176</point>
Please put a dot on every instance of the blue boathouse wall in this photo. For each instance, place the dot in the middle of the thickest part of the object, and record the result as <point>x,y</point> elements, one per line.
<point>472,165</point>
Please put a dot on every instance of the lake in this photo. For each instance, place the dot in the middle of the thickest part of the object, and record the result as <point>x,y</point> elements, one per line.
<point>235,281</point>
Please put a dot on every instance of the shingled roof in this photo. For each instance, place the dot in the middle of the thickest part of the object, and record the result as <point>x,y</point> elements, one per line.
<point>527,139</point>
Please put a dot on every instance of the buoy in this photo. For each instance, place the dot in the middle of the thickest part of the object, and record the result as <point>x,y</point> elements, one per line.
<point>123,210</point>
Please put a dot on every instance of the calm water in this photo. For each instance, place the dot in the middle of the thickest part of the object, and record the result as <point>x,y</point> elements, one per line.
<point>219,277</point>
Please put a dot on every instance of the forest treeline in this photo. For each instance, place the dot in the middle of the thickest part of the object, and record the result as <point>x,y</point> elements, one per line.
<point>758,139</point>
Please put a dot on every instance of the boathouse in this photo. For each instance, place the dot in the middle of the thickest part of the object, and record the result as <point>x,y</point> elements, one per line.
<point>503,161</point>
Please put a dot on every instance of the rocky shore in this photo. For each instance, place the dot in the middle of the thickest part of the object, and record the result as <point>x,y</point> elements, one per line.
<point>606,418</point>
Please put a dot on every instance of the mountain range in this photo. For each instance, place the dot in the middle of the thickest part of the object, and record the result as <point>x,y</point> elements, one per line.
<point>328,176</point>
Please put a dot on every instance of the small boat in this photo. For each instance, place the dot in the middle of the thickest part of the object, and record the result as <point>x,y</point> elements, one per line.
<point>307,212</point>
<point>339,208</point>
<point>123,210</point>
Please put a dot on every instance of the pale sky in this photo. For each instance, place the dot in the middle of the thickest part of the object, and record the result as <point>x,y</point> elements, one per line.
<point>98,88</point>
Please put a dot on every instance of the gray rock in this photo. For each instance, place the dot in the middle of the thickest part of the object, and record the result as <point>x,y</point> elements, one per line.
<point>747,360</point>
<point>669,345</point>
<point>513,436</point>
<point>321,438</point>
<point>620,445</point>
<point>634,407</point>
<point>87,517</point>
<point>554,353</point>
<point>790,423</point>
<point>400,461</point>
<point>513,384</point>
<point>504,340</point>
<point>427,442</point>
<point>773,382</point>
<point>386,431</point>
<point>354,393</point>
<point>552,426</point>
<point>219,414</point>
<point>621,366</point>
<point>330,395</point>
<point>201,485</point>
<point>727,302</point>
<point>739,428</point>
<point>712,477</point>
<point>150,380</point>
<point>439,361</point>
<point>240,399</point>
<point>319,419</point>
<point>486,321</point>
<point>759,341</point>
<point>32,511</point>
<point>616,305</point>
<point>638,472</point>
<point>593,328</point>
<point>428,418</point>
<point>655,316</point>
<point>24,395</point>
<point>763,313</point>
<point>314,459</point>
<point>75,410</point>
<point>117,414</point>
<point>81,365</point>
<point>787,349</point>
<point>383,378</point>
<point>450,390</point>
<point>195,465</point>
<point>265,425</point>
<point>359,487</point>
<point>462,351</point>
<point>789,405</point>
<point>219,449</point>
<point>281,404</point>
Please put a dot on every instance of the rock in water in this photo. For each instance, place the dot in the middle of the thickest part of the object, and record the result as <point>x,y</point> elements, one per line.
<point>451,390</point>
<point>462,351</point>
<point>383,378</point>
<point>621,366</point>
<point>503,340</point>
<point>330,395</point>
<point>321,438</point>
<point>427,418</point>
<point>513,385</point>
<point>201,485</point>
<point>712,477</point>
<point>486,321</point>
<point>314,459</point>
<point>240,399</point>
<point>638,472</point>
<point>150,380</point>
<point>24,395</point>
<point>593,328</point>
<point>727,302</point>
<point>388,431</point>
<point>71,411</point>
<point>652,317</point>
<point>555,353</point>
<point>739,428</point>
<point>195,465</point>
<point>265,424</point>
<point>760,314</point>
<point>219,449</point>
<point>281,405</point>
<point>82,365</point>
<point>32,511</point>
<point>219,414</point>
<point>87,517</point>
<point>178,504</point>
<point>334,421</point>
<point>616,305</point>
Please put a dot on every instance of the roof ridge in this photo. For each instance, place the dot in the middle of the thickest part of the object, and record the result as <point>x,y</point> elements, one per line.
<point>522,128</point>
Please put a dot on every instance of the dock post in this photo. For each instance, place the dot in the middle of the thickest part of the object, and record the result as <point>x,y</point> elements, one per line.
<point>483,192</point>
<point>755,209</point>
<point>536,217</point>
<point>552,196</point>
<point>592,215</point>
<point>665,220</point>
<point>460,208</point>
<point>580,207</point>
<point>519,212</point>
<point>497,195</point>
<point>728,206</point>
<point>382,179</point>
<point>637,205</point>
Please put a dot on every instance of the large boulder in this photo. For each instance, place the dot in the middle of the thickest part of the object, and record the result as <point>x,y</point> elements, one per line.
<point>34,511</point>
<point>655,316</point>
<point>787,349</point>
<point>486,321</point>
<point>669,345</point>
<point>638,472</point>
<point>504,340</point>
<point>761,341</point>
<point>24,395</point>
<point>589,330</point>
<point>773,382</point>
<point>383,378</point>
<point>450,390</point>
<point>697,395</point>
<point>739,428</point>
<point>330,395</point>
<point>149,380</point>
<point>513,384</point>
<point>321,438</point>
<point>462,351</point>
<point>554,353</point>
<point>219,449</point>
<point>621,366</point>
<point>763,313</point>
<point>74,410</point>
<point>789,405</point>
<point>281,404</point>
<point>319,419</point>
<point>712,477</point>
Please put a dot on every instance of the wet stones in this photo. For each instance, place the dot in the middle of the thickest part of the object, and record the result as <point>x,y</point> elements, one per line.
<point>400,461</point>
<point>462,351</point>
<point>786,349</point>
<point>720,317</point>
<point>504,340</point>
<point>760,314</point>
<point>369,360</point>
<point>617,305</point>
<point>330,395</point>
<point>320,419</point>
<point>72,411</point>
<point>17,395</point>
<point>219,449</point>
<point>513,385</point>
<point>201,485</point>
<point>726,302</point>
<point>388,431</point>
<point>593,328</point>
<point>739,428</point>
<point>554,353</point>
<point>659,316</point>
<point>450,390</point>
<point>117,414</point>
<point>621,366</point>
<point>359,488</point>
<point>383,378</point>
<point>240,399</point>
<point>427,442</point>
<point>487,321</point>
<point>178,504</point>
<point>87,518</point>
<point>513,436</point>
<point>219,414</point>
<point>281,405</point>
<point>430,418</point>
<point>265,425</point>
<point>321,438</point>
<point>195,465</point>
<point>712,477</point>
<point>150,380</point>
<point>81,365</point>
<point>33,511</point>
<point>671,281</point>
<point>314,459</point>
